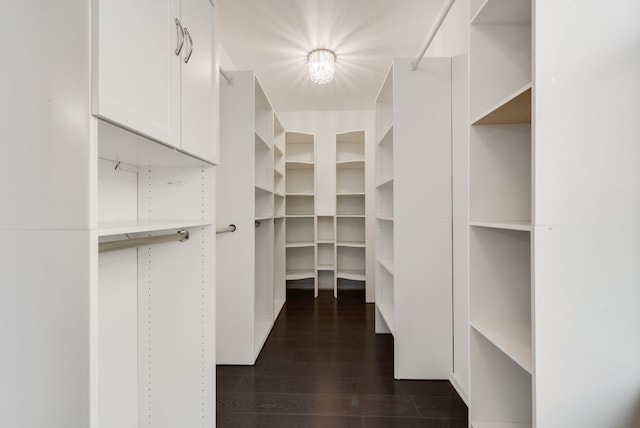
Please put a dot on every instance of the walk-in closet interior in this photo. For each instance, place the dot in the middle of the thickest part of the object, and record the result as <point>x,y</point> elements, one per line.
<point>362,213</point>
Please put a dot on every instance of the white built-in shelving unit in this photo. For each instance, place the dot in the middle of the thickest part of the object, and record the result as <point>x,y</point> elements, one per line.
<point>413,217</point>
<point>301,261</point>
<point>350,242</point>
<point>500,215</point>
<point>251,196</point>
<point>551,244</point>
<point>124,337</point>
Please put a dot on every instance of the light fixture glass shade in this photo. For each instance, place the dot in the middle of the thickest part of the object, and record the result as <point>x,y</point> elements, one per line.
<point>322,65</point>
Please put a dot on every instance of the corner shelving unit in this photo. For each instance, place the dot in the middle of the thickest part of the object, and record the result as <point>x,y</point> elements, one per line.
<point>500,215</point>
<point>413,217</point>
<point>350,241</point>
<point>249,196</point>
<point>300,208</point>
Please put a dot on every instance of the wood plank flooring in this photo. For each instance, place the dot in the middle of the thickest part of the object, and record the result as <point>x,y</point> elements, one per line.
<point>324,366</point>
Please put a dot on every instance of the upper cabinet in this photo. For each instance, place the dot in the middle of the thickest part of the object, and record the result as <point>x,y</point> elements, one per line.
<point>158,82</point>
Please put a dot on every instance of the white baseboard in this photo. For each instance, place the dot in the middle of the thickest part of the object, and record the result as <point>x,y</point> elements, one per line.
<point>459,389</point>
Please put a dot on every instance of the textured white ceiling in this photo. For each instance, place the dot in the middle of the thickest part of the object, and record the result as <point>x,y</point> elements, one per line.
<point>273,38</point>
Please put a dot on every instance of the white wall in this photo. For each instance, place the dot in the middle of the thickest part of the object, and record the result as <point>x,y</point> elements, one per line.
<point>325,125</point>
<point>452,40</point>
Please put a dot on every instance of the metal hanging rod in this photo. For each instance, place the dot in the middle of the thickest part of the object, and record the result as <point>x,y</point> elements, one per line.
<point>228,78</point>
<point>230,228</point>
<point>181,235</point>
<point>432,34</point>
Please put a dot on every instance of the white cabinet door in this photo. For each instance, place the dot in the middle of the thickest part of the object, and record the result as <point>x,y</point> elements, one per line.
<point>199,80</point>
<point>136,72</point>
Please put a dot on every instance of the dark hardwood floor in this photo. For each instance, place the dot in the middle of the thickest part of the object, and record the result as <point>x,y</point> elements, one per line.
<point>324,366</point>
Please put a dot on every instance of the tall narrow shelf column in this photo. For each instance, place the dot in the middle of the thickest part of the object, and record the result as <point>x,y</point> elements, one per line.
<point>500,214</point>
<point>301,226</point>
<point>553,250</point>
<point>413,217</point>
<point>247,198</point>
<point>279,226</point>
<point>350,232</point>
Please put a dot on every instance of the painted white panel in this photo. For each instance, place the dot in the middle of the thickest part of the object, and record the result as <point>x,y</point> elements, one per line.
<point>422,283</point>
<point>117,192</point>
<point>173,193</point>
<point>118,338</point>
<point>370,212</point>
<point>460,211</point>
<point>422,139</point>
<point>200,79</point>
<point>45,127</point>
<point>45,328</point>
<point>176,361</point>
<point>136,77</point>
<point>587,326</point>
<point>587,128</point>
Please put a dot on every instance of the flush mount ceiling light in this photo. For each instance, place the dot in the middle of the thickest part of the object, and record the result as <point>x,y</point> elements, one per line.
<point>322,64</point>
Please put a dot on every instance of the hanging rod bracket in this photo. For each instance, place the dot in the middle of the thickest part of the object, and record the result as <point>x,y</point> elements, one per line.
<point>230,228</point>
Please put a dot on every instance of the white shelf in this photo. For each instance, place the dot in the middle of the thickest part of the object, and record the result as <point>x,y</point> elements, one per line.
<point>299,216</point>
<point>387,136</point>
<point>299,244</point>
<point>261,142</point>
<point>385,218</point>
<point>503,12</point>
<point>513,109</point>
<point>386,182</point>
<point>512,339</point>
<point>263,188</point>
<point>299,165</point>
<point>508,225</point>
<point>325,241</point>
<point>326,267</point>
<point>351,164</point>
<point>387,264</point>
<point>350,216</point>
<point>299,194</point>
<point>351,194</point>
<point>351,244</point>
<point>141,226</point>
<point>296,274</point>
<point>263,218</point>
<point>386,310</point>
<point>353,274</point>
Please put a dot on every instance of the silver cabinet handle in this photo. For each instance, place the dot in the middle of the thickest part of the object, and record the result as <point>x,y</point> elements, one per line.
<point>190,45</point>
<point>179,36</point>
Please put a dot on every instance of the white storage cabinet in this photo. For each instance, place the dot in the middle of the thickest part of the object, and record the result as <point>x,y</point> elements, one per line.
<point>150,65</point>
<point>98,339</point>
